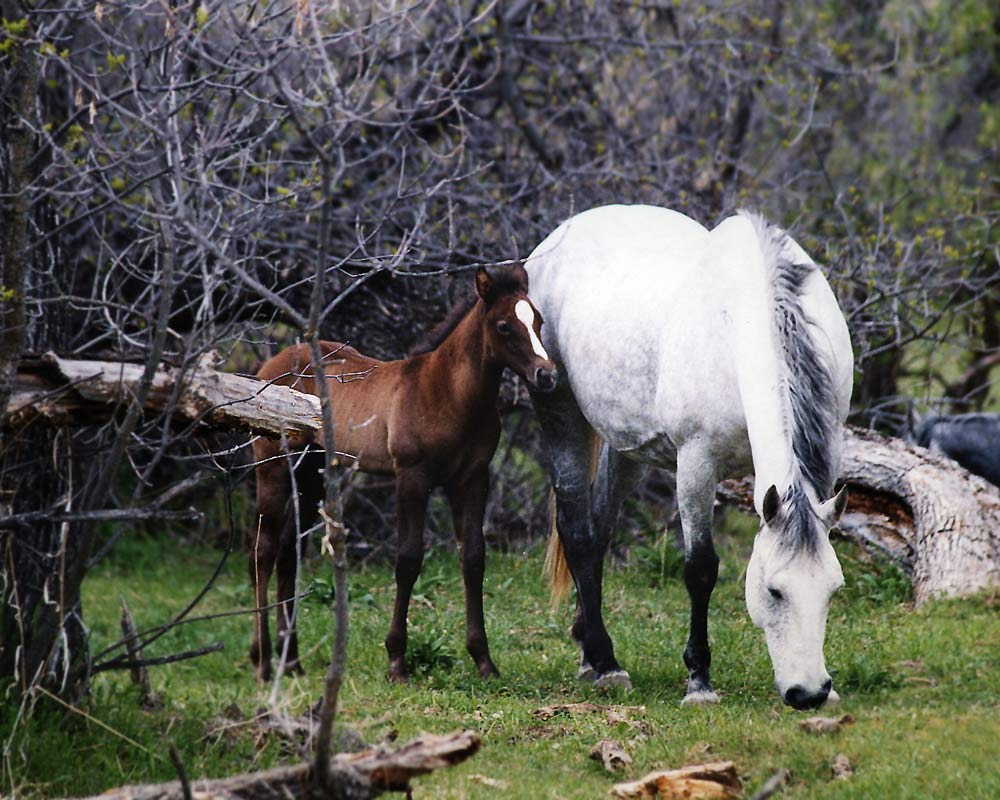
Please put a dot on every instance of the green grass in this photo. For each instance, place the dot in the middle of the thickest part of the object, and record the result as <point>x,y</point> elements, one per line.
<point>922,684</point>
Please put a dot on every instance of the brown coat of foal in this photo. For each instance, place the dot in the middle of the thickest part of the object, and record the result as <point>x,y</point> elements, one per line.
<point>431,420</point>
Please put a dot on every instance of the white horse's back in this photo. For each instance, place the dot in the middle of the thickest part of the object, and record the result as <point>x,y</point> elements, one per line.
<point>656,323</point>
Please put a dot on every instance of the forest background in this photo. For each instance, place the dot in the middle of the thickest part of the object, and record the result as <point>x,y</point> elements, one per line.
<point>174,175</point>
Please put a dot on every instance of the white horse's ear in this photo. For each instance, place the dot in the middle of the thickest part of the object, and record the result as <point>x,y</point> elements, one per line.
<point>771,505</point>
<point>833,509</point>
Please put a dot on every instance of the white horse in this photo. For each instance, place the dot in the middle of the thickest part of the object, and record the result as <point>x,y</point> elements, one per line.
<point>706,352</point>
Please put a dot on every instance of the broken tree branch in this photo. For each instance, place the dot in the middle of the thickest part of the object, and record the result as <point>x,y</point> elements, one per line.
<point>357,776</point>
<point>61,391</point>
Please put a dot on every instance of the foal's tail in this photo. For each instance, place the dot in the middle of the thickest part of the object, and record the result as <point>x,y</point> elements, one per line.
<point>555,569</point>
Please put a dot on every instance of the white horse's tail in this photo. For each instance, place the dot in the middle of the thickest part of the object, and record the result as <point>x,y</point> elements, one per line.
<point>555,568</point>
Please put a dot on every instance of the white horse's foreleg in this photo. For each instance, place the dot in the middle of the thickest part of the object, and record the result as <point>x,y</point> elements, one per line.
<point>615,478</point>
<point>696,480</point>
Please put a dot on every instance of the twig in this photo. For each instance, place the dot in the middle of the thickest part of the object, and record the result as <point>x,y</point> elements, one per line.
<point>98,515</point>
<point>140,674</point>
<point>175,757</point>
<point>125,662</point>
<point>96,721</point>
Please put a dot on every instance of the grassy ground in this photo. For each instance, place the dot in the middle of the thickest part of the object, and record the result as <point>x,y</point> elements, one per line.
<point>923,685</point>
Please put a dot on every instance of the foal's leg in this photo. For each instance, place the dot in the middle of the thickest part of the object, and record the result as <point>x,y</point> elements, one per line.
<point>263,539</point>
<point>567,443</point>
<point>309,484</point>
<point>412,491</point>
<point>696,480</point>
<point>468,505</point>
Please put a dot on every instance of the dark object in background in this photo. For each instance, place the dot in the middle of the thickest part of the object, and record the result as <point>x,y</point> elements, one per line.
<point>973,440</point>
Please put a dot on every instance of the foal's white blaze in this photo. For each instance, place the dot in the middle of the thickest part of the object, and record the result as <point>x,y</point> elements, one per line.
<point>525,313</point>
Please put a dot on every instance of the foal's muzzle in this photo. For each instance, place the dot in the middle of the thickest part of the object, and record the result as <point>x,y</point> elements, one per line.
<point>802,699</point>
<point>544,380</point>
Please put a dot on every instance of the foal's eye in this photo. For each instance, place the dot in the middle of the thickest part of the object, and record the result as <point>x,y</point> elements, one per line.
<point>777,595</point>
<point>503,327</point>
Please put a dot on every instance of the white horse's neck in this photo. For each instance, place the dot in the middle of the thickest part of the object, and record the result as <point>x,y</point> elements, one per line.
<point>761,372</point>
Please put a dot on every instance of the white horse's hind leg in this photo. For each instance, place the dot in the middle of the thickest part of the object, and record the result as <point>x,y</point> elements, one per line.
<point>615,478</point>
<point>568,436</point>
<point>696,480</point>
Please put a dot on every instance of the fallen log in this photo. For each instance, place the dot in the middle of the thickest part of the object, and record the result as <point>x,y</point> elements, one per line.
<point>938,521</point>
<point>354,776</point>
<point>59,391</point>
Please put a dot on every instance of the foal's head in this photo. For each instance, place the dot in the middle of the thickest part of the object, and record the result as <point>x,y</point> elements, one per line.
<point>792,575</point>
<point>512,327</point>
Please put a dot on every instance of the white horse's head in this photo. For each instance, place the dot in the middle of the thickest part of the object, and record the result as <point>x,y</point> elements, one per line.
<point>792,575</point>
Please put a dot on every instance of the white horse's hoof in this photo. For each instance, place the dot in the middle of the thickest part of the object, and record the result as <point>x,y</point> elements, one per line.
<point>586,672</point>
<point>617,678</point>
<point>833,698</point>
<point>699,698</point>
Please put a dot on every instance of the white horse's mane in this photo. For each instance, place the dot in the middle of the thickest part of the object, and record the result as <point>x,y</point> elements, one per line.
<point>812,401</point>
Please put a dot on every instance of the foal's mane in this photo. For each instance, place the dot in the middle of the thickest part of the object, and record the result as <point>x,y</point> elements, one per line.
<point>808,377</point>
<point>430,340</point>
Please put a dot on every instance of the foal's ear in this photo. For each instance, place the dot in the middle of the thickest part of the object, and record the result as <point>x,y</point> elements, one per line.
<point>484,285</point>
<point>833,509</point>
<point>771,505</point>
<point>520,274</point>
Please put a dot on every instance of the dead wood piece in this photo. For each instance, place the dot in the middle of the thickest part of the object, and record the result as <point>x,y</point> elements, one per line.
<point>612,754</point>
<point>938,521</point>
<point>826,724</point>
<point>614,714</point>
<point>548,712</point>
<point>493,783</point>
<point>841,767</point>
<point>715,780</point>
<point>391,769</point>
<point>355,776</point>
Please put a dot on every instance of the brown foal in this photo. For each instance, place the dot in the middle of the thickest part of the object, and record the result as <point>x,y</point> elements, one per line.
<point>431,420</point>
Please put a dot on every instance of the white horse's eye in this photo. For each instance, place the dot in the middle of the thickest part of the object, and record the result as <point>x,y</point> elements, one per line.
<point>775,593</point>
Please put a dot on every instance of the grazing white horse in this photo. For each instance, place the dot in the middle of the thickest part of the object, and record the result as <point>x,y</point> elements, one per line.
<point>709,353</point>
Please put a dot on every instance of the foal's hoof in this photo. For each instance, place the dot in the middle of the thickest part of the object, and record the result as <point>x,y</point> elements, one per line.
<point>618,677</point>
<point>586,672</point>
<point>702,697</point>
<point>488,670</point>
<point>294,668</point>
<point>398,673</point>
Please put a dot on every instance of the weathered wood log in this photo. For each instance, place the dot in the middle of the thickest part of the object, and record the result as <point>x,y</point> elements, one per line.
<point>940,522</point>
<point>355,776</point>
<point>61,391</point>
<point>716,781</point>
